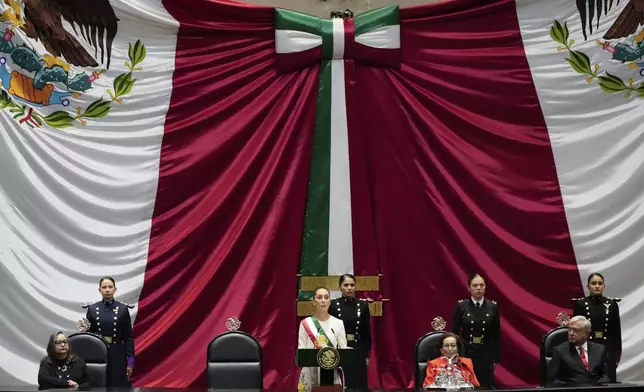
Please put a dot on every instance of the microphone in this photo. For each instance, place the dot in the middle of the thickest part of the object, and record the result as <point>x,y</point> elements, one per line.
<point>337,341</point>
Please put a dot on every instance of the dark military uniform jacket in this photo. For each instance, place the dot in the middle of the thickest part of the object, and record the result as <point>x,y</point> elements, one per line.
<point>111,320</point>
<point>480,329</point>
<point>357,321</point>
<point>603,313</point>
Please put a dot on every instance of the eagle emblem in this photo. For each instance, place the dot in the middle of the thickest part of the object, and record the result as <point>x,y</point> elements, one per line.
<point>33,81</point>
<point>627,22</point>
<point>621,44</point>
<point>94,19</point>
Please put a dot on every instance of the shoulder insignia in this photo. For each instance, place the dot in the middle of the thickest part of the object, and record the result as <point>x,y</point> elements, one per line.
<point>494,302</point>
<point>615,299</point>
<point>460,300</point>
<point>86,305</point>
<point>576,299</point>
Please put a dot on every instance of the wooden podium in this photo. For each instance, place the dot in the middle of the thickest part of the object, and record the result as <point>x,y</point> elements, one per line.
<point>311,357</point>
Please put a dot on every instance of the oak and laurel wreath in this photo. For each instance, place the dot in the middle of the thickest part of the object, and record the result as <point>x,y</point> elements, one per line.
<point>98,109</point>
<point>581,64</point>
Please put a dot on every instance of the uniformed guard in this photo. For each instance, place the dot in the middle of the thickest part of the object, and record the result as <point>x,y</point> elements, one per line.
<point>478,323</point>
<point>603,313</point>
<point>111,320</point>
<point>356,317</point>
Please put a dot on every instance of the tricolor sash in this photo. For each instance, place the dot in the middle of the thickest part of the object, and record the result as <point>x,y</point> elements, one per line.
<point>314,330</point>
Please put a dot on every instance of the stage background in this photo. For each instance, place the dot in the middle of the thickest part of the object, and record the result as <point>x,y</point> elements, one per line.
<point>485,151</point>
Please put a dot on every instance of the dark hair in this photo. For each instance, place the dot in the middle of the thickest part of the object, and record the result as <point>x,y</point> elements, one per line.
<point>100,282</point>
<point>449,335</point>
<point>51,348</point>
<point>320,288</point>
<point>474,276</point>
<point>591,276</point>
<point>347,276</point>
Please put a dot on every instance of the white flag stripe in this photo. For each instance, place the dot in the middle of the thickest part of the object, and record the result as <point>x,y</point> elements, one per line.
<point>598,144</point>
<point>293,41</point>
<point>338,38</point>
<point>76,203</point>
<point>340,230</point>
<point>385,37</point>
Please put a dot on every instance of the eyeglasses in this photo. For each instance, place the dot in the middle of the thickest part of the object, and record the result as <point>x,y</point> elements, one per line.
<point>450,345</point>
<point>61,342</point>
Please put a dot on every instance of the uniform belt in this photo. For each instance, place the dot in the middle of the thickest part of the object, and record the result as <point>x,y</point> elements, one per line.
<point>598,334</point>
<point>108,339</point>
<point>351,337</point>
<point>477,340</point>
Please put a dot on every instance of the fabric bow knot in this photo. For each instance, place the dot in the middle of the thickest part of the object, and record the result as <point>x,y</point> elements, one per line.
<point>303,40</point>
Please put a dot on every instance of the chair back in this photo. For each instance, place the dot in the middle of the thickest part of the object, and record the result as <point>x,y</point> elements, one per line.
<point>234,361</point>
<point>427,349</point>
<point>94,351</point>
<point>550,340</point>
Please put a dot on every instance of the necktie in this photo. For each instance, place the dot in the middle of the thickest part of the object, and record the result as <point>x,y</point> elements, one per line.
<point>582,355</point>
<point>478,304</point>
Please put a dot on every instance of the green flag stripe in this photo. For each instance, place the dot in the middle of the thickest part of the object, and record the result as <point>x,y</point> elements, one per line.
<point>385,16</point>
<point>315,242</point>
<point>289,20</point>
<point>327,43</point>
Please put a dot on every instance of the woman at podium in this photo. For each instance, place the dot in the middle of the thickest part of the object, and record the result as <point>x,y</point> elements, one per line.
<point>603,313</point>
<point>449,363</point>
<point>319,331</point>
<point>478,323</point>
<point>357,323</point>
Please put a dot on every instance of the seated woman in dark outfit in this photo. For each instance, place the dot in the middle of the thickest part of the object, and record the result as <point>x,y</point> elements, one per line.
<point>61,368</point>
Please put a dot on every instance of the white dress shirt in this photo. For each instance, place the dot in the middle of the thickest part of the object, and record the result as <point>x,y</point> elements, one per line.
<point>478,302</point>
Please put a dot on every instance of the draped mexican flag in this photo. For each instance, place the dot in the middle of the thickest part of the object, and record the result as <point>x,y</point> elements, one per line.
<point>204,153</point>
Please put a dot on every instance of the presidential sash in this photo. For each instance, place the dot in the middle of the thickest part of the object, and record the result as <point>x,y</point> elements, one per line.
<point>316,333</point>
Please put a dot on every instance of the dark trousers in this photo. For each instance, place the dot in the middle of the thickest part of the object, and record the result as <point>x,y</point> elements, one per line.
<point>485,374</point>
<point>612,367</point>
<point>483,360</point>
<point>355,375</point>
<point>117,367</point>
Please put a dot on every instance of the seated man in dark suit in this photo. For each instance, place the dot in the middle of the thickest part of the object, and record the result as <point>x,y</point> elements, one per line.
<point>578,361</point>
